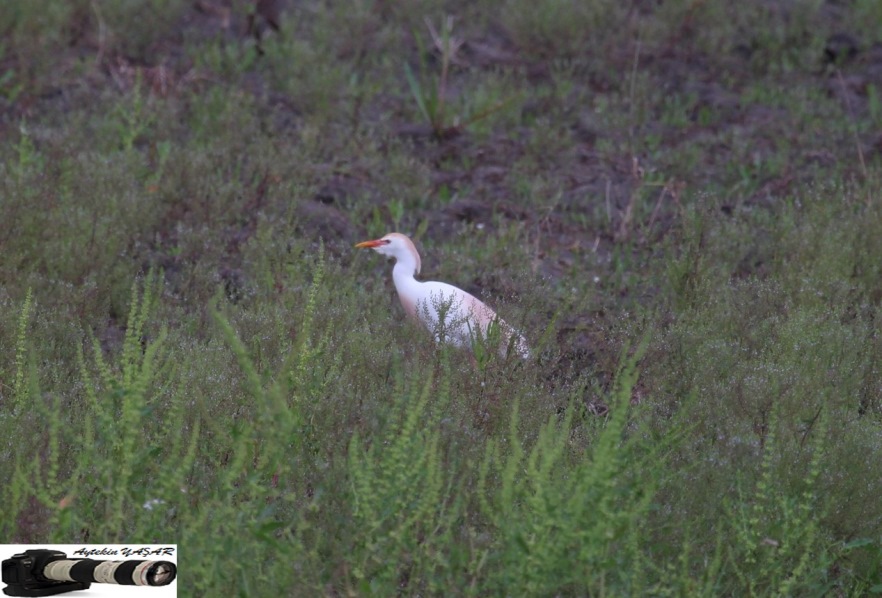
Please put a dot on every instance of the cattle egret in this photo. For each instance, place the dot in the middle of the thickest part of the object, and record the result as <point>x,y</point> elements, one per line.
<point>450,313</point>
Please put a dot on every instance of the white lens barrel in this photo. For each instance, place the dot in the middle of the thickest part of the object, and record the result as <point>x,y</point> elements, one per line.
<point>59,570</point>
<point>137,573</point>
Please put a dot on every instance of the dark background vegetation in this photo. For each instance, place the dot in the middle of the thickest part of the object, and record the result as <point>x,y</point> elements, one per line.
<point>677,201</point>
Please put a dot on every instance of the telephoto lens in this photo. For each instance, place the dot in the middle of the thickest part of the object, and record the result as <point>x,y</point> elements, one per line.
<point>126,573</point>
<point>49,572</point>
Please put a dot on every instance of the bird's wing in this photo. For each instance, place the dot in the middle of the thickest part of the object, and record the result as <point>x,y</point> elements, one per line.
<point>449,313</point>
<point>464,317</point>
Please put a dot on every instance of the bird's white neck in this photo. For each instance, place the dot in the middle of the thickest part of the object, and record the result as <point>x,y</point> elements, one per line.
<point>406,285</point>
<point>403,272</point>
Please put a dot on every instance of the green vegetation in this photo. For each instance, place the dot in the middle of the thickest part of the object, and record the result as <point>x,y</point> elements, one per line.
<point>678,203</point>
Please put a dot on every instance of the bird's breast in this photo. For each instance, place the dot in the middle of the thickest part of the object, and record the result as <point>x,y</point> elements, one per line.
<point>409,305</point>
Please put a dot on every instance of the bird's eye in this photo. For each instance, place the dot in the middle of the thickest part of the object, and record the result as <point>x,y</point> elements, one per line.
<point>387,241</point>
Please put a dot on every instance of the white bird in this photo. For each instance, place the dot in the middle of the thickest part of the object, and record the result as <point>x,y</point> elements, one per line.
<point>450,313</point>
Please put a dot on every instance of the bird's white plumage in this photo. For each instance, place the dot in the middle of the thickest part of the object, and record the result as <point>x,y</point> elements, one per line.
<point>464,316</point>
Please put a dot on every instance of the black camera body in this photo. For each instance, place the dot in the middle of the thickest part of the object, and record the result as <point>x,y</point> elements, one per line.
<point>43,572</point>
<point>23,575</point>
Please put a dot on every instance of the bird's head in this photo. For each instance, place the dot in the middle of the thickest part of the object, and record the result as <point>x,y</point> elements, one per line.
<point>395,245</point>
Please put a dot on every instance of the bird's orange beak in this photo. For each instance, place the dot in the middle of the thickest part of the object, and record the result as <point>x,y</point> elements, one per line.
<point>370,244</point>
